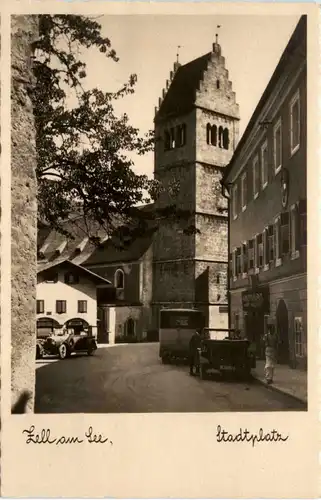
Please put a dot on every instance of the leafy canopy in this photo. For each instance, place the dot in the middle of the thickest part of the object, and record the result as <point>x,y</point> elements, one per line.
<point>83,163</point>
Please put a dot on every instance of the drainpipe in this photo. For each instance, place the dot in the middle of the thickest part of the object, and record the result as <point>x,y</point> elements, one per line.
<point>226,195</point>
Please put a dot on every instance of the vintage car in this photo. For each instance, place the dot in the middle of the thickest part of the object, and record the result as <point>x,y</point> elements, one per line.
<point>67,342</point>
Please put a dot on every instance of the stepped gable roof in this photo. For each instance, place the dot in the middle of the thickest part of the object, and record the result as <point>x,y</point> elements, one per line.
<point>181,94</point>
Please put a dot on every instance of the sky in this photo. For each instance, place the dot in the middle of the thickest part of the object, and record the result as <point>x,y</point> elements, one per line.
<point>147,46</point>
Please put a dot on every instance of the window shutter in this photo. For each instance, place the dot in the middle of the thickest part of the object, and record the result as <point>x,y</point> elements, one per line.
<point>265,246</point>
<point>297,228</point>
<point>256,252</point>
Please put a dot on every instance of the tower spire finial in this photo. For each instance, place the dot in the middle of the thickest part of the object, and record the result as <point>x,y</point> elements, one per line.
<point>216,36</point>
<point>177,55</point>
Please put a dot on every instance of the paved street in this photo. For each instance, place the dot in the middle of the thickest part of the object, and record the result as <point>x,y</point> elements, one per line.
<point>131,378</point>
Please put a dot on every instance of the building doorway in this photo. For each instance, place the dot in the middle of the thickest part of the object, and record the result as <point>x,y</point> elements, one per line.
<point>282,328</point>
<point>254,328</point>
<point>130,327</point>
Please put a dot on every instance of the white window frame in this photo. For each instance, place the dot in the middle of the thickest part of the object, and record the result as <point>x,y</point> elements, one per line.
<point>234,200</point>
<point>298,321</point>
<point>244,273</point>
<point>294,100</point>
<point>294,214</point>
<point>256,167</point>
<point>256,255</point>
<point>243,191</point>
<point>277,127</point>
<point>266,263</point>
<point>264,148</point>
<point>234,275</point>
<point>277,256</point>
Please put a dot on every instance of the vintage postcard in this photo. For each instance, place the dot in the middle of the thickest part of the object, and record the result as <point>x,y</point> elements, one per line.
<point>160,250</point>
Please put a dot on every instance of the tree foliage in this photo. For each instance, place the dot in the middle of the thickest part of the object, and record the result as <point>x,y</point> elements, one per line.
<point>83,162</point>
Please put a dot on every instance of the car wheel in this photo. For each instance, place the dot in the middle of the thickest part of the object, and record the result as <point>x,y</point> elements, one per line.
<point>38,353</point>
<point>63,351</point>
<point>90,351</point>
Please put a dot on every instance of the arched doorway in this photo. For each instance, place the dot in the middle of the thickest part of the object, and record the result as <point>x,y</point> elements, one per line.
<point>46,326</point>
<point>282,327</point>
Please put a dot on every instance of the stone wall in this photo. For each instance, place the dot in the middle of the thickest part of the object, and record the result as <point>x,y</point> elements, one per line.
<point>24,210</point>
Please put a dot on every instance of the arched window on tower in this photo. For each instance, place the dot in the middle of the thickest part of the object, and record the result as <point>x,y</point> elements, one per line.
<point>225,139</point>
<point>208,133</point>
<point>119,279</point>
<point>220,137</point>
<point>217,84</point>
<point>214,135</point>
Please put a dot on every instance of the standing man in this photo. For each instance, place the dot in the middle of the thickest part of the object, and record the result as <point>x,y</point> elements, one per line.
<point>194,344</point>
<point>270,344</point>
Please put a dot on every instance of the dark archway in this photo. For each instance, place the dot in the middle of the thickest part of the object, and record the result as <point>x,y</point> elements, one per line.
<point>78,324</point>
<point>46,326</point>
<point>282,327</point>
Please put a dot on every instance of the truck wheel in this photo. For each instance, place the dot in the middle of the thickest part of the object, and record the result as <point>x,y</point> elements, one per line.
<point>63,351</point>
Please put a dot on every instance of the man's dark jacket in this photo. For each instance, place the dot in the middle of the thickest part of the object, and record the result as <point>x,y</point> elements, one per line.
<point>194,344</point>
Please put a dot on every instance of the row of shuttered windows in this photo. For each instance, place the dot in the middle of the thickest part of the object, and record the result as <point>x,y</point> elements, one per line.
<point>284,237</point>
<point>61,306</point>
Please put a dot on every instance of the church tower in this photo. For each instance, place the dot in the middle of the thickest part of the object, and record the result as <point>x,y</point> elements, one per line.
<point>196,132</point>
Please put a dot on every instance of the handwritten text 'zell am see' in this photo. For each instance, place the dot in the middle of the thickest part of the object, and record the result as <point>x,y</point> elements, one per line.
<point>44,436</point>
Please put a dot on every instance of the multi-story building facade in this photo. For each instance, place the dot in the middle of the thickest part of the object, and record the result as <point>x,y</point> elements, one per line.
<point>67,297</point>
<point>267,190</point>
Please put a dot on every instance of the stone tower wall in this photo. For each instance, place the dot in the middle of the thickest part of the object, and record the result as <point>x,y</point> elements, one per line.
<point>24,210</point>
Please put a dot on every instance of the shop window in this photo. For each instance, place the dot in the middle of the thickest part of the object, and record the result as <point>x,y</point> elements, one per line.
<point>277,146</point>
<point>295,123</point>
<point>82,306</point>
<point>40,306</point>
<point>61,306</point>
<point>264,165</point>
<point>119,279</point>
<point>244,191</point>
<point>285,233</point>
<point>256,177</point>
<point>298,336</point>
<point>251,254</point>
